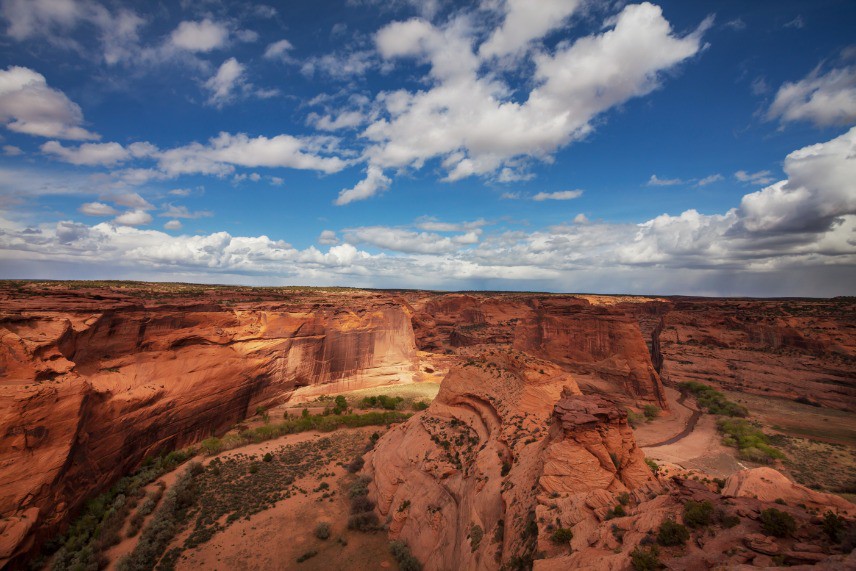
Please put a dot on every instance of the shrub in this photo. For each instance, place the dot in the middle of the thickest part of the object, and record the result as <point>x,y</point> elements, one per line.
<point>211,446</point>
<point>366,521</point>
<point>356,464</point>
<point>672,533</point>
<point>650,411</point>
<point>562,535</point>
<point>698,514</point>
<point>341,405</point>
<point>645,559</point>
<point>714,401</point>
<point>752,443</point>
<point>617,511</point>
<point>778,523</point>
<point>623,498</point>
<point>307,555</point>
<point>322,530</point>
<point>653,465</point>
<point>401,553</point>
<point>476,535</point>
<point>420,405</point>
<point>634,419</point>
<point>268,457</point>
<point>833,527</point>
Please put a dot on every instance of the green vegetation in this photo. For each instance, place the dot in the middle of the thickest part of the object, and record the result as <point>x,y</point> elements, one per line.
<point>401,553</point>
<point>653,465</point>
<point>363,517</point>
<point>752,444</point>
<point>698,514</point>
<point>303,423</point>
<point>476,535</point>
<point>778,523</point>
<point>672,533</point>
<point>634,419</point>
<point>97,527</point>
<point>322,530</point>
<point>562,535</point>
<point>381,401</point>
<point>833,527</point>
<point>714,401</point>
<point>420,405</point>
<point>647,559</point>
<point>651,412</point>
<point>617,511</point>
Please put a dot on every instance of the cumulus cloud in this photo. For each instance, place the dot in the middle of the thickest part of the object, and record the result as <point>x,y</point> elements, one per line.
<point>524,22</point>
<point>279,50</point>
<point>28,105</point>
<point>203,36</point>
<point>173,211</point>
<point>12,151</point>
<point>173,225</point>
<point>374,182</point>
<point>467,117</point>
<point>434,225</point>
<point>133,218</point>
<point>328,238</point>
<point>581,219</point>
<point>823,99</point>
<point>403,240</point>
<point>89,154</point>
<point>226,82</point>
<point>97,209</point>
<point>560,195</point>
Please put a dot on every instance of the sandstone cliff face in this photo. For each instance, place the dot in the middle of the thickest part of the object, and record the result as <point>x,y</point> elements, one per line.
<point>584,338</point>
<point>86,395</point>
<point>463,482</point>
<point>781,348</point>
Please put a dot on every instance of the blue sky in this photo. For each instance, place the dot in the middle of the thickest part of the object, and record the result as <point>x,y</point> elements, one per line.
<point>565,145</point>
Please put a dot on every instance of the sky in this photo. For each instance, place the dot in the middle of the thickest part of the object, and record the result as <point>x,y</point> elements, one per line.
<point>698,148</point>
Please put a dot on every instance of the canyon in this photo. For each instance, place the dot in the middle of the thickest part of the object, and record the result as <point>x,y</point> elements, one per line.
<point>529,430</point>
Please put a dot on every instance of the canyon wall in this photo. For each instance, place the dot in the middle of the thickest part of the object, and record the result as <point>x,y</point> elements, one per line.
<point>91,387</point>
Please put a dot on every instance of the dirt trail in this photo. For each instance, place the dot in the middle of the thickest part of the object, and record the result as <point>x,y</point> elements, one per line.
<point>690,426</point>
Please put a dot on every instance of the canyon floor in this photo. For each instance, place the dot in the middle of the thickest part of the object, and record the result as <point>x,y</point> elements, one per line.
<point>475,430</point>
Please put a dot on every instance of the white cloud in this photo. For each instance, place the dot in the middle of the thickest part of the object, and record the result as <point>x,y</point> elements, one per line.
<point>180,192</point>
<point>402,240</point>
<point>328,238</point>
<point>655,181</point>
<point>28,105</point>
<point>433,225</point>
<point>117,31</point>
<point>345,120</point>
<point>467,117</point>
<point>97,209</point>
<point>560,195</point>
<point>524,22</point>
<point>131,200</point>
<point>133,218</point>
<point>173,225</point>
<point>89,154</point>
<point>173,211</point>
<point>374,182</point>
<point>737,24</point>
<point>345,65</point>
<point>823,99</point>
<point>797,22</point>
<point>230,77</point>
<point>760,177</point>
<point>12,151</point>
<point>710,179</point>
<point>204,36</point>
<point>279,50</point>
<point>581,219</point>
<point>226,150</point>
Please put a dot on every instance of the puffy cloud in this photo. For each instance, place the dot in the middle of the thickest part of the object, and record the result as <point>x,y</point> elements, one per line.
<point>823,99</point>
<point>345,120</point>
<point>134,218</point>
<point>28,105</point>
<point>402,240</point>
<point>279,50</point>
<point>524,22</point>
<point>226,150</point>
<point>204,36</point>
<point>12,151</point>
<point>560,195</point>
<point>89,154</point>
<point>467,117</point>
<point>117,31</point>
<point>230,76</point>
<point>132,200</point>
<point>343,65</point>
<point>173,225</point>
<point>433,225</point>
<point>97,209</point>
<point>328,238</point>
<point>374,182</point>
<point>581,219</point>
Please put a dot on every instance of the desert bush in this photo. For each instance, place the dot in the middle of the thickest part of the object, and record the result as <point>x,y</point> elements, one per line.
<point>833,527</point>
<point>562,535</point>
<point>322,530</point>
<point>617,511</point>
<point>653,465</point>
<point>714,401</point>
<point>650,411</point>
<point>751,442</point>
<point>420,405</point>
<point>698,514</point>
<point>366,521</point>
<point>356,464</point>
<point>268,457</point>
<point>645,559</point>
<point>212,446</point>
<point>406,561</point>
<point>672,533</point>
<point>476,535</point>
<point>778,523</point>
<point>623,498</point>
<point>634,419</point>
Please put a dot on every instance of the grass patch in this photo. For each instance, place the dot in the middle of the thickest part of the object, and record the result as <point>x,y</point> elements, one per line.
<point>713,401</point>
<point>752,444</point>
